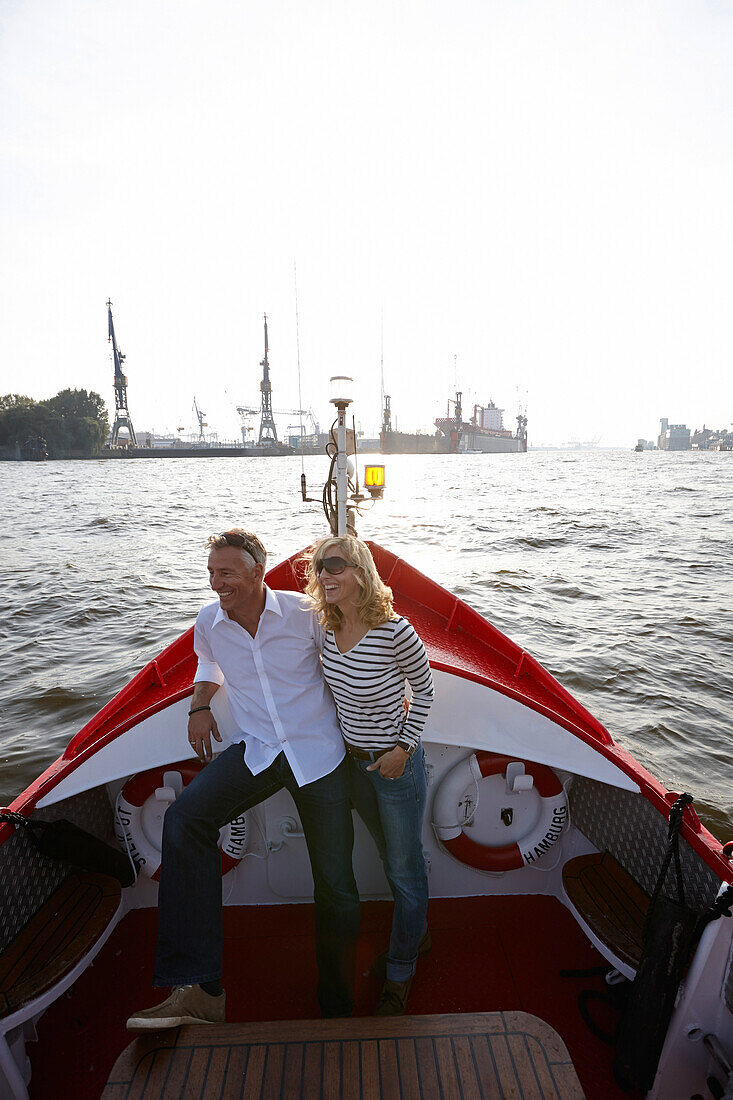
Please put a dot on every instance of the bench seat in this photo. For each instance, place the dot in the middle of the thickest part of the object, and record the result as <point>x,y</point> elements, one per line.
<point>609,901</point>
<point>56,938</point>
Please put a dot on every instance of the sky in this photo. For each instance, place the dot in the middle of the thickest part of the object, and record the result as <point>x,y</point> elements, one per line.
<point>527,200</point>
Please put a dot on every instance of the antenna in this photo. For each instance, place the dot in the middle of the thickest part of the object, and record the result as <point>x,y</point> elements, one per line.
<point>300,391</point>
<point>384,398</point>
<point>381,360</point>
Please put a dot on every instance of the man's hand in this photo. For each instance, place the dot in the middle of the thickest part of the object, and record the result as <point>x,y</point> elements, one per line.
<point>201,728</point>
<point>392,764</point>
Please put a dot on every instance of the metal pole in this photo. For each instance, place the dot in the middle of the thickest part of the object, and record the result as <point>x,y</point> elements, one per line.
<point>341,472</point>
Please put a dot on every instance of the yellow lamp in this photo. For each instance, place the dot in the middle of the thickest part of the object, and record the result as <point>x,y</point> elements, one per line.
<point>374,481</point>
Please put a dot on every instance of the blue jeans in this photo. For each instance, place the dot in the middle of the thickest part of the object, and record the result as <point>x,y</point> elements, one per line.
<point>393,811</point>
<point>190,936</point>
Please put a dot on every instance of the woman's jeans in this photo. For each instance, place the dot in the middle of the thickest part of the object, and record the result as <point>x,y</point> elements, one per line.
<point>393,811</point>
<point>190,936</point>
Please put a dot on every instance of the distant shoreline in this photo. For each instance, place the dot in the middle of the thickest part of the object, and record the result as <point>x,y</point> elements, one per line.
<point>289,452</point>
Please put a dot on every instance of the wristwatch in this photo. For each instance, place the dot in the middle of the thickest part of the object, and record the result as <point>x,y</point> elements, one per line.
<point>409,749</point>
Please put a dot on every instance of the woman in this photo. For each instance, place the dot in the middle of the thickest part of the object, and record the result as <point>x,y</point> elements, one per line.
<point>368,653</point>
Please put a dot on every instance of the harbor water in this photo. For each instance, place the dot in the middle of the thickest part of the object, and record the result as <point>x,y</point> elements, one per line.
<point>614,569</point>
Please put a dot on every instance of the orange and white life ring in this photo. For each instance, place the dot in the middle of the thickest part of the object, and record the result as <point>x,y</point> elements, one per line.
<point>451,810</point>
<point>141,806</point>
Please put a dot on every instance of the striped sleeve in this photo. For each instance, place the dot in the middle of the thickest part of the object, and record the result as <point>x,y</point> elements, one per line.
<point>413,661</point>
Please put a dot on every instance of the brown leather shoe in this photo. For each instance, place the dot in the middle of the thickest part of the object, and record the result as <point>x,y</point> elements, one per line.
<point>378,966</point>
<point>187,1004</point>
<point>393,998</point>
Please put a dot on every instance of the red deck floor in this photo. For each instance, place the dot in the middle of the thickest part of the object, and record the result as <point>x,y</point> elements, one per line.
<point>488,954</point>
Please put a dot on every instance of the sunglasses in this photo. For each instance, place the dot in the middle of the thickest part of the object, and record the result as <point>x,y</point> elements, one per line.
<point>233,538</point>
<point>334,565</point>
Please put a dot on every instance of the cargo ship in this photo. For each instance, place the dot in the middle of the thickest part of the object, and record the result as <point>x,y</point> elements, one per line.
<point>484,433</point>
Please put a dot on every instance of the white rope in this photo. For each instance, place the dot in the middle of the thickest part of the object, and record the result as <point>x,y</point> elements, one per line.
<point>466,821</point>
<point>471,816</point>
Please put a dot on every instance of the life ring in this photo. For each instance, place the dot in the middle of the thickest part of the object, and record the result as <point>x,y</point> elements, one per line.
<point>141,806</point>
<point>547,828</point>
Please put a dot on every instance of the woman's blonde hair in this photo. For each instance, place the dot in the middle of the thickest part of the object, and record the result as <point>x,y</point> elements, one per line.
<point>375,601</point>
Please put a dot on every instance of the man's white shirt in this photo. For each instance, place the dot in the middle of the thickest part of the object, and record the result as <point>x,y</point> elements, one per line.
<point>274,684</point>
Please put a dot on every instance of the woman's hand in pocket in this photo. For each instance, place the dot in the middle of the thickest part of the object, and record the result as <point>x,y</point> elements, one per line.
<point>391,764</point>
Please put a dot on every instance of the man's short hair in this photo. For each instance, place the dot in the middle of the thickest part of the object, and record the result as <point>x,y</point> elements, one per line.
<point>240,540</point>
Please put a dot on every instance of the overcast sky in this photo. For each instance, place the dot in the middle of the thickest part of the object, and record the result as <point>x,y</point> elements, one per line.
<point>531,199</point>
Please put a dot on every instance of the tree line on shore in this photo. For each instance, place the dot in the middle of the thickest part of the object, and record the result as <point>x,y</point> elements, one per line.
<point>73,424</point>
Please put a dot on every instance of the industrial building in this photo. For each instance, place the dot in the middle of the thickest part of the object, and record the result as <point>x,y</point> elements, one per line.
<point>673,437</point>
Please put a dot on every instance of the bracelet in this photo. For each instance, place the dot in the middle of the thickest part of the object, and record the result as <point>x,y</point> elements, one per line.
<point>196,710</point>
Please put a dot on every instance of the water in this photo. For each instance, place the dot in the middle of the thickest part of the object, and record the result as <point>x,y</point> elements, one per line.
<point>612,568</point>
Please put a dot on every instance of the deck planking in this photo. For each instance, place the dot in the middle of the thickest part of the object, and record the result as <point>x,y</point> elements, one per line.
<point>471,1056</point>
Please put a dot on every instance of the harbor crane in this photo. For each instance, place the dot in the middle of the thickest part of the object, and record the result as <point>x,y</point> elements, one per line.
<point>459,408</point>
<point>246,411</point>
<point>302,414</point>
<point>268,431</point>
<point>200,417</point>
<point>122,413</point>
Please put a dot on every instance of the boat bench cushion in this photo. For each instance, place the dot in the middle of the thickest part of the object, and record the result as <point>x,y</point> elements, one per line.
<point>610,901</point>
<point>56,938</point>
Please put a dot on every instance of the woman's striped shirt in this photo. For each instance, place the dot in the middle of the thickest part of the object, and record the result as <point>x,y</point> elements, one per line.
<point>368,685</point>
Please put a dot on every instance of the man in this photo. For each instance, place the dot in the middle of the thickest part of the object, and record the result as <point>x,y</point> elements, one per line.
<point>263,646</point>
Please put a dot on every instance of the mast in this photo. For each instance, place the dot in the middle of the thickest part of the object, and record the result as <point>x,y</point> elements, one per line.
<point>268,431</point>
<point>387,414</point>
<point>122,413</point>
<point>381,370</point>
<point>340,397</point>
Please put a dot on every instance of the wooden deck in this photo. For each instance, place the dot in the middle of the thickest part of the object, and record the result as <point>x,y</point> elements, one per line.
<point>489,1054</point>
